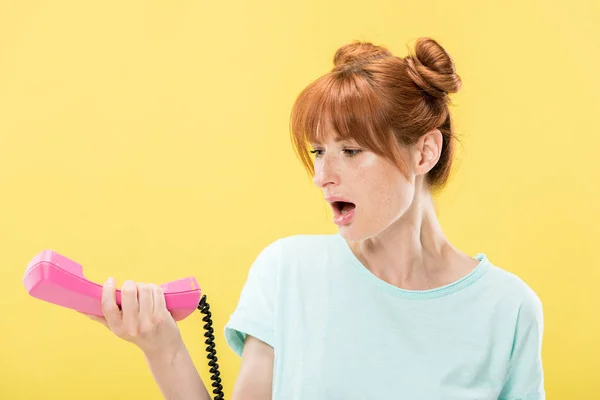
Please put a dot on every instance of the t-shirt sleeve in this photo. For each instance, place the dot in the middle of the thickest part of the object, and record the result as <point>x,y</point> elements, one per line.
<point>525,379</point>
<point>255,311</point>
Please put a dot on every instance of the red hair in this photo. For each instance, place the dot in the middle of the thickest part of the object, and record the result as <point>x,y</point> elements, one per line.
<point>381,101</point>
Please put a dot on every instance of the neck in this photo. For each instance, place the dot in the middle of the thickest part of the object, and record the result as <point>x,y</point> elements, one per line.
<point>413,253</point>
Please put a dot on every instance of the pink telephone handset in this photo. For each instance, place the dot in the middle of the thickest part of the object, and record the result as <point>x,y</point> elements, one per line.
<point>56,279</point>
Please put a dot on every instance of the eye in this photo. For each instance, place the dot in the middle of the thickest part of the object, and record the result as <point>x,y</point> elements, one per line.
<point>349,152</point>
<point>352,152</point>
<point>317,153</point>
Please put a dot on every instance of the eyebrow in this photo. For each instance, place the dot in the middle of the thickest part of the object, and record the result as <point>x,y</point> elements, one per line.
<point>337,139</point>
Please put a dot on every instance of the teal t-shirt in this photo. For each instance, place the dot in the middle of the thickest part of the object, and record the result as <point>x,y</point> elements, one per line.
<point>341,333</point>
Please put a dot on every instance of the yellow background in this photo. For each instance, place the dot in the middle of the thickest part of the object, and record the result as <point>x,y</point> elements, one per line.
<point>149,141</point>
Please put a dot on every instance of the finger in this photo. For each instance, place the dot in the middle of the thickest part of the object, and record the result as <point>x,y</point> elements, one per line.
<point>130,306</point>
<point>159,300</point>
<point>145,301</point>
<point>110,309</point>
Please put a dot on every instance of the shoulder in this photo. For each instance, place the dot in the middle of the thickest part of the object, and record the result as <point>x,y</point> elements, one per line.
<point>294,249</point>
<point>303,241</point>
<point>293,246</point>
<point>513,291</point>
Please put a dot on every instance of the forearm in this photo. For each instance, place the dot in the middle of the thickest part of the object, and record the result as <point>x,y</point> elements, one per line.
<point>176,375</point>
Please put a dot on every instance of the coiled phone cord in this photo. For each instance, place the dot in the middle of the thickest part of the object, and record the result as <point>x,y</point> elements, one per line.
<point>204,308</point>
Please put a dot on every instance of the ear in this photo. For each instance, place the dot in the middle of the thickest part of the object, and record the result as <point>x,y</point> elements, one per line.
<point>427,151</point>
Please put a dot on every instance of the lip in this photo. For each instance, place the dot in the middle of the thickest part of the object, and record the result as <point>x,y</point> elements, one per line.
<point>333,199</point>
<point>338,217</point>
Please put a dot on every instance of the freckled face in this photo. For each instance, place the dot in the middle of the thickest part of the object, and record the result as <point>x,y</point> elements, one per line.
<point>380,192</point>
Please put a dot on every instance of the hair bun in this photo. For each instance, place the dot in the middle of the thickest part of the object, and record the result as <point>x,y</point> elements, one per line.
<point>359,51</point>
<point>432,68</point>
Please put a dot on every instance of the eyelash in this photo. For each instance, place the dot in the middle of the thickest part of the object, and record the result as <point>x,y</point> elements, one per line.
<point>353,152</point>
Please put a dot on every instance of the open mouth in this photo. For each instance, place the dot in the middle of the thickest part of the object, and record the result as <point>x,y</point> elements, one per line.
<point>342,207</point>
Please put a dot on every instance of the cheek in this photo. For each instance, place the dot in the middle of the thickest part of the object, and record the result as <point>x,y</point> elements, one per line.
<point>393,197</point>
<point>387,192</point>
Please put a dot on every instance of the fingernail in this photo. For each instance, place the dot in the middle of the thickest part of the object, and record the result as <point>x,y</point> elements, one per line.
<point>110,281</point>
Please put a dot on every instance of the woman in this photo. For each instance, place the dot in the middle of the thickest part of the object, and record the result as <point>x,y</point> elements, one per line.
<point>387,308</point>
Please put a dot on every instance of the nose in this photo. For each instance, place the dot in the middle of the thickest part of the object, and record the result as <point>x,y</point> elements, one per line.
<point>326,172</point>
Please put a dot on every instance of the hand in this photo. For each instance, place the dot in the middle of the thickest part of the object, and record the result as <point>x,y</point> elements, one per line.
<point>143,318</point>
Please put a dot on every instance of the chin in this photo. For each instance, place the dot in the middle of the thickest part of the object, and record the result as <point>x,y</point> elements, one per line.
<point>357,233</point>
<point>353,234</point>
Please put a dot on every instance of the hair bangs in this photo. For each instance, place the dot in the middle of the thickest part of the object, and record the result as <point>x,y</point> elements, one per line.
<point>343,105</point>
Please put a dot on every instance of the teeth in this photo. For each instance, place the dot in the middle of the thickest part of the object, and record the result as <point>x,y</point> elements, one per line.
<point>345,207</point>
